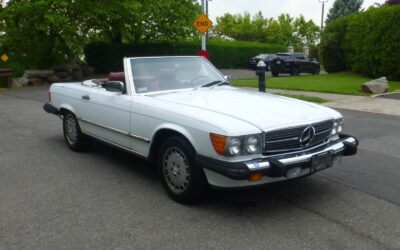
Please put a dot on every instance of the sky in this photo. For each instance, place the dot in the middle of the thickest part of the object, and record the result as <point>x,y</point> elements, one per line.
<point>310,9</point>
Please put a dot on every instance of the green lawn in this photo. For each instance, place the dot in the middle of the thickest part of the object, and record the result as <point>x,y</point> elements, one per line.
<point>338,83</point>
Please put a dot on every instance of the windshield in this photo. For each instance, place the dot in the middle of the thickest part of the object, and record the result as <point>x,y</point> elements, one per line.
<point>283,55</point>
<point>170,73</point>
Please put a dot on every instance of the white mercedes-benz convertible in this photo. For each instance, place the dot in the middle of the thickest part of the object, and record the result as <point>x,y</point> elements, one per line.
<point>182,114</point>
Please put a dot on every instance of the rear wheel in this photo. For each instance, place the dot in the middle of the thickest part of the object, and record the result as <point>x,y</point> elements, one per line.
<point>183,180</point>
<point>76,141</point>
<point>316,71</point>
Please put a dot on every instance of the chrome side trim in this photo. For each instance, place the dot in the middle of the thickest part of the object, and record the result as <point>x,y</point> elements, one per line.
<point>103,126</point>
<point>139,138</point>
<point>117,145</point>
<point>116,130</point>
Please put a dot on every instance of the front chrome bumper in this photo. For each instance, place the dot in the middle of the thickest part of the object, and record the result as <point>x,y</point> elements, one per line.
<point>306,157</point>
<point>273,168</point>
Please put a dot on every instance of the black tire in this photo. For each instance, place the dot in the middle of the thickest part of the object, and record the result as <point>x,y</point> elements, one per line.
<point>275,73</point>
<point>316,71</point>
<point>294,71</point>
<point>73,136</point>
<point>183,180</point>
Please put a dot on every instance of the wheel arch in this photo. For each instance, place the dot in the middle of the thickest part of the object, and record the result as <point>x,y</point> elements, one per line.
<point>162,133</point>
<point>66,108</point>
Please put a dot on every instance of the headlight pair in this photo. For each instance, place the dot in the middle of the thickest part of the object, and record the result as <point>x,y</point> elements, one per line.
<point>236,145</point>
<point>337,126</point>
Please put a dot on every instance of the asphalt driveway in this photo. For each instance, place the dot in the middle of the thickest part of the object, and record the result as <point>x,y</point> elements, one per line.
<point>52,198</point>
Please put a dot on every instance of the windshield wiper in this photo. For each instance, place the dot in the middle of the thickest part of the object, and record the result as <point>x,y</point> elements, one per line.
<point>213,83</point>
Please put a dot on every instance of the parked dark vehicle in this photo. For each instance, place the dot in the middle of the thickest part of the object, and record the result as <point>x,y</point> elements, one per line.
<point>294,64</point>
<point>265,57</point>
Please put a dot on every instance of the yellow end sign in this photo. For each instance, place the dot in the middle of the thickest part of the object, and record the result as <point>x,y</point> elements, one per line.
<point>202,23</point>
<point>4,57</point>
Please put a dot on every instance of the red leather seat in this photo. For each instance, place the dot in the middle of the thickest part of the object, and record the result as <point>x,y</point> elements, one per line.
<point>117,76</point>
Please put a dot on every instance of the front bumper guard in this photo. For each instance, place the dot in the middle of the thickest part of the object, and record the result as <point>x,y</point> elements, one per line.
<point>278,166</point>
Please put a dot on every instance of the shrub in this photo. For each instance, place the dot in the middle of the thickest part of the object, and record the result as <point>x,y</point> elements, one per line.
<point>17,67</point>
<point>332,51</point>
<point>367,43</point>
<point>108,57</point>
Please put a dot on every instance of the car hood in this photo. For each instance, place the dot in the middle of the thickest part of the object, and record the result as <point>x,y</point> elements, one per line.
<point>263,110</point>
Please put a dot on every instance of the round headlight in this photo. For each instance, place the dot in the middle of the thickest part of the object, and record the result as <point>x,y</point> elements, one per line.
<point>340,125</point>
<point>252,144</point>
<point>334,128</point>
<point>337,127</point>
<point>234,146</point>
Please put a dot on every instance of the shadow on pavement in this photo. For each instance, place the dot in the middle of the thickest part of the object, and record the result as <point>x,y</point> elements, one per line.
<point>271,196</point>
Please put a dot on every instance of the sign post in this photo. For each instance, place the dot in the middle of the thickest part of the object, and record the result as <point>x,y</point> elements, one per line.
<point>203,24</point>
<point>203,36</point>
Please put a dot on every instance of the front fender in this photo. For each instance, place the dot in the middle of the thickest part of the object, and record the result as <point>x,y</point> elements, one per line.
<point>179,129</point>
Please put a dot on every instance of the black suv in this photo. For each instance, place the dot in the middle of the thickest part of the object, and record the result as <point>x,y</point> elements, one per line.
<point>294,64</point>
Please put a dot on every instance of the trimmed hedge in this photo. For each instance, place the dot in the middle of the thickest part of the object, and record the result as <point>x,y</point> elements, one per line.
<point>105,57</point>
<point>367,43</point>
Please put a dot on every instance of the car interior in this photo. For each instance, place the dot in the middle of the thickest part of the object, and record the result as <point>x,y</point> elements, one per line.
<point>115,82</point>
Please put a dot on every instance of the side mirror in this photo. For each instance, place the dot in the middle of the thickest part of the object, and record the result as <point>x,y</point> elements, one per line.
<point>114,86</point>
<point>228,78</point>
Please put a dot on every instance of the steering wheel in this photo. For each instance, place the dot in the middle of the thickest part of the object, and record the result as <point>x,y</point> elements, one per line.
<point>197,78</point>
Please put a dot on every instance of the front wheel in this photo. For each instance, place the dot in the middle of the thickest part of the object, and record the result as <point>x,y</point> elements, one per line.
<point>294,71</point>
<point>76,141</point>
<point>183,180</point>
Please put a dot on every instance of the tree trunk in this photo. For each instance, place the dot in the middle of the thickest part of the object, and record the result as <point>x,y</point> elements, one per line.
<point>117,37</point>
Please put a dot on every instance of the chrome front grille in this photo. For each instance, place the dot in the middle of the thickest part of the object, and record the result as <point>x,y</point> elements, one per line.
<point>287,140</point>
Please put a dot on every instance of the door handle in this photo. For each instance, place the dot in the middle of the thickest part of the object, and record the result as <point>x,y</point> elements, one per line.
<point>86,97</point>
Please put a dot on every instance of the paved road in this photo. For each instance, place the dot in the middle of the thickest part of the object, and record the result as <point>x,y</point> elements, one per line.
<point>395,96</point>
<point>52,198</point>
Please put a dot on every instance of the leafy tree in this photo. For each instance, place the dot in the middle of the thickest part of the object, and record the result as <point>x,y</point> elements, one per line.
<point>44,33</point>
<point>106,20</point>
<point>306,31</point>
<point>283,30</point>
<point>366,43</point>
<point>164,20</point>
<point>343,8</point>
<point>241,27</point>
<point>39,33</point>
<point>286,27</point>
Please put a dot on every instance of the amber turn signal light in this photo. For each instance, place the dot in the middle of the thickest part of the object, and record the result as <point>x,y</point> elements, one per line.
<point>255,177</point>
<point>218,142</point>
